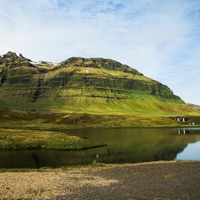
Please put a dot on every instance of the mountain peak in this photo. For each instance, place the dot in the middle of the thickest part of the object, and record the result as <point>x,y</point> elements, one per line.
<point>11,59</point>
<point>99,63</point>
<point>10,54</point>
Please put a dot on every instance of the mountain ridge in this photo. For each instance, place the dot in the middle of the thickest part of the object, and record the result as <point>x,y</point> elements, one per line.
<point>87,84</point>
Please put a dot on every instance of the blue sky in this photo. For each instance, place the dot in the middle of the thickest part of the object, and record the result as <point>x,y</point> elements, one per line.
<point>160,38</point>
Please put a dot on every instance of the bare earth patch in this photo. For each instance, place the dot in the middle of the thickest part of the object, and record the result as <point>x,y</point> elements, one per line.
<point>175,180</point>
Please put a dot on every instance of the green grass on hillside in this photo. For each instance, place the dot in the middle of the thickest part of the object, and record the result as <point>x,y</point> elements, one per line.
<point>53,119</point>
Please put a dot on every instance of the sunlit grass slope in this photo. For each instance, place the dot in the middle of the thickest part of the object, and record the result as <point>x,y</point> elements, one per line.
<point>56,119</point>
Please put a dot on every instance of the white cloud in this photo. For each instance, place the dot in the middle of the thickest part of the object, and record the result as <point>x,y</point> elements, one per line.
<point>159,38</point>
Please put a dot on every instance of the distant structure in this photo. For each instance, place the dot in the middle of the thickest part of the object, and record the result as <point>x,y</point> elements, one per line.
<point>86,70</point>
<point>180,119</point>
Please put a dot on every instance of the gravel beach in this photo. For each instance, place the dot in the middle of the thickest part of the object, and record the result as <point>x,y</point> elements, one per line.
<point>172,180</point>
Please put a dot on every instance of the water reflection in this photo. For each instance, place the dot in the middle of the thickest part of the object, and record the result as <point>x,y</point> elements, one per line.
<point>124,146</point>
<point>181,131</point>
<point>37,159</point>
<point>191,152</point>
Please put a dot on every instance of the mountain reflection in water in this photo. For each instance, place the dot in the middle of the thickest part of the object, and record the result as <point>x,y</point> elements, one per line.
<point>191,152</point>
<point>125,145</point>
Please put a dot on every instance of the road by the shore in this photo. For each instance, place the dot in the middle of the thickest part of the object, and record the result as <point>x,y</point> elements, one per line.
<point>173,180</point>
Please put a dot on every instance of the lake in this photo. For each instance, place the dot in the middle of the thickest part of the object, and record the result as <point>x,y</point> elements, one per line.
<point>124,145</point>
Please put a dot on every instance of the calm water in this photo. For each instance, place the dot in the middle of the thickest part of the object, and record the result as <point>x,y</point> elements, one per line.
<point>127,145</point>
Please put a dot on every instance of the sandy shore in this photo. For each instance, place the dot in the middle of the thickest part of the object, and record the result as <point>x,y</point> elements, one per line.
<point>157,181</point>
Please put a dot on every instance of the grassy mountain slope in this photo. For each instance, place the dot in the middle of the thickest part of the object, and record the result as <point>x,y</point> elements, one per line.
<point>80,85</point>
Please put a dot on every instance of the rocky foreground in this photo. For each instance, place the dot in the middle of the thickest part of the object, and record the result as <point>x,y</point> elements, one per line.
<point>160,180</point>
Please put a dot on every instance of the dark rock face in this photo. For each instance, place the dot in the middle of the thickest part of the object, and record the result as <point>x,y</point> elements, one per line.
<point>99,63</point>
<point>13,60</point>
<point>27,83</point>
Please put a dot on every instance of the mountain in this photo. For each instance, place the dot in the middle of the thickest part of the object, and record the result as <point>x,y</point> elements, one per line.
<point>90,85</point>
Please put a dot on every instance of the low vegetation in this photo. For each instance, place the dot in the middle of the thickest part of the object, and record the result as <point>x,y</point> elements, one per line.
<point>14,139</point>
<point>53,119</point>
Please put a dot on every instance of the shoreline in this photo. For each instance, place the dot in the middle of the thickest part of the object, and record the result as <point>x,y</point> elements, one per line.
<point>95,166</point>
<point>151,180</point>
